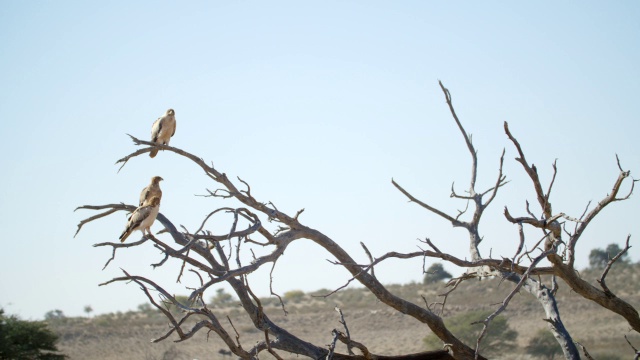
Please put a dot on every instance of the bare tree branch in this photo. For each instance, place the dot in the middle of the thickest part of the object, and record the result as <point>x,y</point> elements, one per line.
<point>608,267</point>
<point>204,252</point>
<point>346,330</point>
<point>586,220</point>
<point>455,222</point>
<point>467,139</point>
<point>637,352</point>
<point>533,174</point>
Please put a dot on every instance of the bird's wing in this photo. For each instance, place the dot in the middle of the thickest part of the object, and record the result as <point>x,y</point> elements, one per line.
<point>138,217</point>
<point>145,195</point>
<point>155,134</point>
<point>155,129</point>
<point>127,231</point>
<point>132,224</point>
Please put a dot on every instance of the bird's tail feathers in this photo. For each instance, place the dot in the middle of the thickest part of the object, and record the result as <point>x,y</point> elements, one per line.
<point>153,153</point>
<point>125,234</point>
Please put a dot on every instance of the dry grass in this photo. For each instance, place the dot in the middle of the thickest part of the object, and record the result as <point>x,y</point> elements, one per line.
<point>383,330</point>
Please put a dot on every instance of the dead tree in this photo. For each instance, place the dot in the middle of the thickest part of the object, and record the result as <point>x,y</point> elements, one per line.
<point>201,252</point>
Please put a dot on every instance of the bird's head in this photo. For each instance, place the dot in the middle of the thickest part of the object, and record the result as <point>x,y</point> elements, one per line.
<point>171,112</point>
<point>156,179</point>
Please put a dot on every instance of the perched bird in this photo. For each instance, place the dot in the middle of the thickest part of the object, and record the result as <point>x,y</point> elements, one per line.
<point>152,190</point>
<point>162,130</point>
<point>142,219</point>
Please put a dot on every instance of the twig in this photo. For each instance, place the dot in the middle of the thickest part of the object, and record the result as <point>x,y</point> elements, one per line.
<point>608,199</point>
<point>532,172</point>
<point>370,257</point>
<point>268,343</point>
<point>248,191</point>
<point>506,301</point>
<point>346,330</point>
<point>453,283</point>
<point>428,241</point>
<point>467,138</point>
<point>520,245</point>
<point>284,310</point>
<point>499,182</point>
<point>90,219</point>
<point>584,350</point>
<point>365,352</point>
<point>332,346</point>
<point>116,246</point>
<point>234,329</point>
<point>535,246</point>
<point>608,267</point>
<point>184,262</point>
<point>412,198</point>
<point>553,179</point>
<point>637,353</point>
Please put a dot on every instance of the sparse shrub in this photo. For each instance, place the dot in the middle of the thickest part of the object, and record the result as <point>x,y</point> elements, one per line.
<point>294,296</point>
<point>182,299</point>
<point>104,321</point>
<point>352,298</point>
<point>599,258</point>
<point>221,298</point>
<point>54,315</point>
<point>498,338</point>
<point>171,354</point>
<point>26,340</point>
<point>435,273</point>
<point>543,345</point>
<point>320,293</point>
<point>147,309</point>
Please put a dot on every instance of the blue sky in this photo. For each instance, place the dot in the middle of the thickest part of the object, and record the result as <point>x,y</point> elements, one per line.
<point>317,105</point>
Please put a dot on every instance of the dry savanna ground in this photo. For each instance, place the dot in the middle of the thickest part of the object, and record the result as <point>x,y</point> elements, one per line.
<point>381,329</point>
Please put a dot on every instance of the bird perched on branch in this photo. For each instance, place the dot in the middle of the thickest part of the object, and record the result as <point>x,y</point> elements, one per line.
<point>142,218</point>
<point>152,190</point>
<point>162,130</point>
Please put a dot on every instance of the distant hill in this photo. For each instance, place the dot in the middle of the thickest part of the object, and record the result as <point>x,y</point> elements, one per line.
<point>385,331</point>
